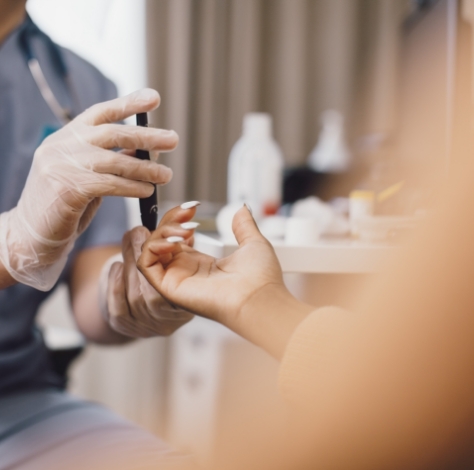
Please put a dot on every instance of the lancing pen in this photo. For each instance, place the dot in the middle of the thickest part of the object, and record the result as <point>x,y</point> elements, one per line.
<point>148,205</point>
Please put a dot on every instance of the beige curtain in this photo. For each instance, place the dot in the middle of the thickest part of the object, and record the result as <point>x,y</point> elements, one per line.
<point>215,60</point>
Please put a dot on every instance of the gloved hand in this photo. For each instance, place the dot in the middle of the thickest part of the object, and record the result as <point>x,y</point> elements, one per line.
<point>128,302</point>
<point>71,171</point>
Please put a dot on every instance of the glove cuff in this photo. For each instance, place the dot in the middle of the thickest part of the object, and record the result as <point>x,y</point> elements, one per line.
<point>27,257</point>
<point>104,283</point>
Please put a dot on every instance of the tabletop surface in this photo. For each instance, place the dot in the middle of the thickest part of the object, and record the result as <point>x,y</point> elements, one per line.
<point>328,255</point>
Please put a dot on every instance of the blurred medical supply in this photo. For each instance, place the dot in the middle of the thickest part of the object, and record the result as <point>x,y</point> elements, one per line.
<point>255,172</point>
<point>331,154</point>
<point>361,204</point>
<point>390,192</point>
<point>329,170</point>
<point>301,231</point>
<point>330,220</point>
<point>323,219</point>
<point>273,227</point>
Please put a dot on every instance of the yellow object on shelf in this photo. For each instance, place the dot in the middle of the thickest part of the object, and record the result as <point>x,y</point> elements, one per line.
<point>390,191</point>
<point>362,194</point>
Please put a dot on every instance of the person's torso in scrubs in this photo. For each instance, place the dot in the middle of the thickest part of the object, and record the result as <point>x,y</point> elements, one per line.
<point>25,119</point>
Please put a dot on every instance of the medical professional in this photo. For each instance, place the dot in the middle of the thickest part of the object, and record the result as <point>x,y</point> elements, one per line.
<point>57,224</point>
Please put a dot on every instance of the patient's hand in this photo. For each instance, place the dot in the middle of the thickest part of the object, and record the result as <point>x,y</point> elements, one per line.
<point>217,289</point>
<point>134,307</point>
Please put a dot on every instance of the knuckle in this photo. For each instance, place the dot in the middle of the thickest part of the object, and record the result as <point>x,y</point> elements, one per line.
<point>140,262</point>
<point>94,109</point>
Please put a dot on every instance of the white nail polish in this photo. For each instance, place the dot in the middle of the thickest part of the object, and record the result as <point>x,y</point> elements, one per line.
<point>175,239</point>
<point>190,204</point>
<point>190,225</point>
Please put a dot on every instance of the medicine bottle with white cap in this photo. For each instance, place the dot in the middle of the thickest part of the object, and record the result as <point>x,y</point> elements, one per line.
<point>255,171</point>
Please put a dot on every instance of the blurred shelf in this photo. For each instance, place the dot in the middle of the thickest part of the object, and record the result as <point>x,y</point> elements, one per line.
<point>328,256</point>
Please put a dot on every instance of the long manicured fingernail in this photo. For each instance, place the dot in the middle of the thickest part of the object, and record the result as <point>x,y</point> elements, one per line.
<point>175,239</point>
<point>190,204</point>
<point>190,225</point>
<point>248,208</point>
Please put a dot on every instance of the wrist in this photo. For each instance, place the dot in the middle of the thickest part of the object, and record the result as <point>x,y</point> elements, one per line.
<point>269,317</point>
<point>26,256</point>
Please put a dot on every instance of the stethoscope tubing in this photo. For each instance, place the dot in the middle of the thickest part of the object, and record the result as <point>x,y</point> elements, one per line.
<point>63,115</point>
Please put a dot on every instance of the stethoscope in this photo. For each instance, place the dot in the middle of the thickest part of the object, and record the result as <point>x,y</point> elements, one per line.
<point>29,30</point>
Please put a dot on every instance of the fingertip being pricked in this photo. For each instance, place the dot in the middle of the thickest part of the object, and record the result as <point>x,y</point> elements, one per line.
<point>189,204</point>
<point>190,225</point>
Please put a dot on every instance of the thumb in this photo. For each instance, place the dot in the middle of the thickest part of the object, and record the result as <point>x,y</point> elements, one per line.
<point>138,236</point>
<point>244,227</point>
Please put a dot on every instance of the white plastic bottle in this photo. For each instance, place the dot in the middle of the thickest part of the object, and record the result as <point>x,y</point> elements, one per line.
<point>255,172</point>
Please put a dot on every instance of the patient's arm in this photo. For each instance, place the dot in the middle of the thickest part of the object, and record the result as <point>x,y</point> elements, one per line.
<point>398,390</point>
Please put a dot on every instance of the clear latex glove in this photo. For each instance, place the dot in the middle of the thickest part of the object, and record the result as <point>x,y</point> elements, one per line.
<point>129,303</point>
<point>71,171</point>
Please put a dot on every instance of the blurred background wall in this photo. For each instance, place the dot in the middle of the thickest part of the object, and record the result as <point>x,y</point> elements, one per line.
<point>215,60</point>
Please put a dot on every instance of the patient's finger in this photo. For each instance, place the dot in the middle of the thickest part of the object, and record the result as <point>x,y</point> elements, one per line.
<point>176,230</point>
<point>177,215</point>
<point>128,152</point>
<point>155,251</point>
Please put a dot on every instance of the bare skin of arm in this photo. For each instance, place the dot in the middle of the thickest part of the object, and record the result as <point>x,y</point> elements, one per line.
<point>84,289</point>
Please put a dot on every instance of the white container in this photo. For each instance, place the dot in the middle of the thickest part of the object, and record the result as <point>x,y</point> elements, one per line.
<point>255,172</point>
<point>361,204</point>
<point>302,231</point>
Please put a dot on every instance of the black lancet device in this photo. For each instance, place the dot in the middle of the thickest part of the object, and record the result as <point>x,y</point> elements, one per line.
<point>148,205</point>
